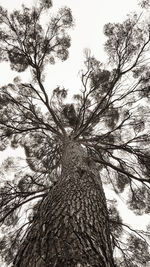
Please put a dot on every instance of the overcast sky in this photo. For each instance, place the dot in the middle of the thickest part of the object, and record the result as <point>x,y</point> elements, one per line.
<point>90,17</point>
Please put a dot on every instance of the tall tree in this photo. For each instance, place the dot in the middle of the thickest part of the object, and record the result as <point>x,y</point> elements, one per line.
<point>73,149</point>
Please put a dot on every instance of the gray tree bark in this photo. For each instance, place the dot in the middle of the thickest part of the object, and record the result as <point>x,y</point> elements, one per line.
<point>72,226</point>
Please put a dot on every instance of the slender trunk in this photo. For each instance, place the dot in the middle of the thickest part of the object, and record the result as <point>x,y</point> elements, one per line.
<point>71,228</point>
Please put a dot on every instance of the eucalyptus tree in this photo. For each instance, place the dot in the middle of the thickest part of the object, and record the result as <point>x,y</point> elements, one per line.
<point>74,149</point>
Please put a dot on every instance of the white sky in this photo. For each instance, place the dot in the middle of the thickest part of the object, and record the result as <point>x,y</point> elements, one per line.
<point>90,17</point>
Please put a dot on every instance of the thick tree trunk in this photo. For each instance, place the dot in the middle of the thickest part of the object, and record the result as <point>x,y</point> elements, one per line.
<point>72,227</point>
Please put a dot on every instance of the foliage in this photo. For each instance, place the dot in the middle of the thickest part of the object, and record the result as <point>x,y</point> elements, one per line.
<point>135,253</point>
<point>107,117</point>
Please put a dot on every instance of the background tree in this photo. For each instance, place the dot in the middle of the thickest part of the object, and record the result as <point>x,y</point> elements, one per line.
<point>71,149</point>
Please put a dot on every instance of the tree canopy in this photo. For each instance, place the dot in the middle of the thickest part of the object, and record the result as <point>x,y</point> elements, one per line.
<point>109,117</point>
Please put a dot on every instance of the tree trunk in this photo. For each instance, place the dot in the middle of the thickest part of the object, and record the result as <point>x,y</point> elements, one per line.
<point>71,228</point>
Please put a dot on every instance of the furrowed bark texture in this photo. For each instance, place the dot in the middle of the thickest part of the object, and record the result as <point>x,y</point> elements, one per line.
<point>71,228</point>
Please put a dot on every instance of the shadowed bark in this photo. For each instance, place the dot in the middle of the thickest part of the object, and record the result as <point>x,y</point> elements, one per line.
<point>71,227</point>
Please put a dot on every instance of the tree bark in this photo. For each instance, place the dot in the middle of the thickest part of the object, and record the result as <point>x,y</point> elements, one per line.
<point>72,226</point>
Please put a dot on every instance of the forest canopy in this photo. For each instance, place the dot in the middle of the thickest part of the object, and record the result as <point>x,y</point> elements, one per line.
<point>108,117</point>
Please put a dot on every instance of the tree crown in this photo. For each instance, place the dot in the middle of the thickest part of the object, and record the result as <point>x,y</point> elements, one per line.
<point>108,117</point>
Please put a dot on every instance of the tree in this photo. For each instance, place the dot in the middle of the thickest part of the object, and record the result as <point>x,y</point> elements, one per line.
<point>73,150</point>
